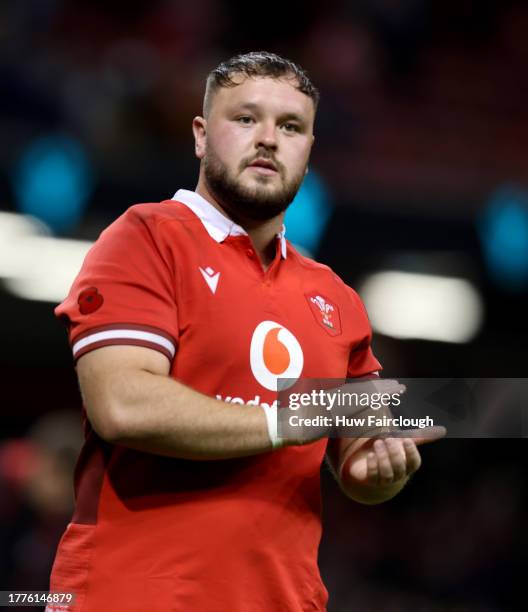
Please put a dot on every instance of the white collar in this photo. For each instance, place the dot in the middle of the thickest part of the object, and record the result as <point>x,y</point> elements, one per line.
<point>217,225</point>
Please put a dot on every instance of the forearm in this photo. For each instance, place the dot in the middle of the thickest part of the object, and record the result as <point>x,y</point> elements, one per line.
<point>158,414</point>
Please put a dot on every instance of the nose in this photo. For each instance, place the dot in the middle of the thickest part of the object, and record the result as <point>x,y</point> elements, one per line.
<point>266,136</point>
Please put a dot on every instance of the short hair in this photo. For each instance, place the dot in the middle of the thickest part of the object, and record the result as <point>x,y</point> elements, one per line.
<point>257,64</point>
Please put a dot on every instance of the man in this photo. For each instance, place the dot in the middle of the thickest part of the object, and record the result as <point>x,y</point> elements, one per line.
<point>183,317</point>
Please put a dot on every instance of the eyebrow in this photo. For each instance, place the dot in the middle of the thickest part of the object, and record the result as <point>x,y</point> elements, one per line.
<point>287,116</point>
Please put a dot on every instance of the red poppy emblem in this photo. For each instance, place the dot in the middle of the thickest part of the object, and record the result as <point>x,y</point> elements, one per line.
<point>90,300</point>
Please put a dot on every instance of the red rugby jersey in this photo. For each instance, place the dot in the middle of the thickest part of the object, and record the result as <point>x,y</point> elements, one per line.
<point>163,534</point>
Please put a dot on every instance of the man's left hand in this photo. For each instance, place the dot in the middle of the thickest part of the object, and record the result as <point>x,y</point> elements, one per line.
<point>379,469</point>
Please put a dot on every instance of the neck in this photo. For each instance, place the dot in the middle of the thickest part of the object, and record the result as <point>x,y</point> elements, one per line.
<point>262,233</point>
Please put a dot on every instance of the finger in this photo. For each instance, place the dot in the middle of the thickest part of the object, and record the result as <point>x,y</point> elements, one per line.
<point>412,456</point>
<point>372,468</point>
<point>386,474</point>
<point>374,385</point>
<point>397,457</point>
<point>421,436</point>
<point>386,385</point>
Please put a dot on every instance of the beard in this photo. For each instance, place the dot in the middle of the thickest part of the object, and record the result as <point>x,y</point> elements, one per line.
<point>259,202</point>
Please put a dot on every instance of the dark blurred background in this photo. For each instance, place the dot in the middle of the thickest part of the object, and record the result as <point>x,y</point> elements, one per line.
<point>417,196</point>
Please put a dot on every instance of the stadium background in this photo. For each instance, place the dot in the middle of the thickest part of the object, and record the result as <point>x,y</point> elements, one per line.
<point>419,169</point>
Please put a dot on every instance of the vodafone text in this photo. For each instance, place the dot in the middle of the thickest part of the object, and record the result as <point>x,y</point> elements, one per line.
<point>238,400</point>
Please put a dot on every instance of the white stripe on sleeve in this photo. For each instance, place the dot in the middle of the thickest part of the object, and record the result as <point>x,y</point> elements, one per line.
<point>124,334</point>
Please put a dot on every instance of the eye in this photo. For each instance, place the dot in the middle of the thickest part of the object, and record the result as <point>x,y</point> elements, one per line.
<point>245,120</point>
<point>291,127</point>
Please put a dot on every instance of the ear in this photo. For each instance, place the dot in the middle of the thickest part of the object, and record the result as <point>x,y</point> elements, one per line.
<point>311,145</point>
<point>199,127</point>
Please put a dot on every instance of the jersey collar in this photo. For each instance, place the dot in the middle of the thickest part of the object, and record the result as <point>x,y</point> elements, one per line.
<point>217,225</point>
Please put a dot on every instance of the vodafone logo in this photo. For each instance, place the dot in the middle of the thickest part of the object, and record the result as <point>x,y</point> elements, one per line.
<point>275,353</point>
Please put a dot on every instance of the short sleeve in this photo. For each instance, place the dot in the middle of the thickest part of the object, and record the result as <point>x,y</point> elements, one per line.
<point>361,360</point>
<point>125,291</point>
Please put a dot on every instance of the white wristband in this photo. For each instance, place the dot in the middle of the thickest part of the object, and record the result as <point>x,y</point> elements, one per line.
<point>271,422</point>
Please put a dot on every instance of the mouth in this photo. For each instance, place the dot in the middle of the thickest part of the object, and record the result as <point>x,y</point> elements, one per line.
<point>263,166</point>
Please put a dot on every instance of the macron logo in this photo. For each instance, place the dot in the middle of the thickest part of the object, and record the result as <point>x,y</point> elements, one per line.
<point>210,277</point>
